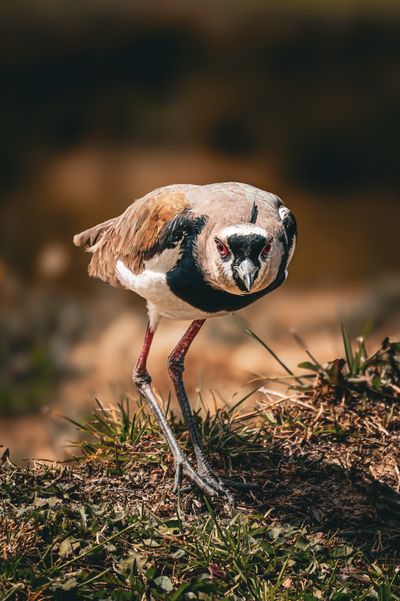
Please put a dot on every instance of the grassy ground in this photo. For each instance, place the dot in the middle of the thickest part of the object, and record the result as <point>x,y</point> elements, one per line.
<point>325,523</point>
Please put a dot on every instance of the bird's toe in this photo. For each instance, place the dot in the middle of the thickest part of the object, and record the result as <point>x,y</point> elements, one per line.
<point>207,482</point>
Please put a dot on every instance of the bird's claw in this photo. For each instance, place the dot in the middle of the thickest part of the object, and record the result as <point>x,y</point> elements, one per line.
<point>205,469</point>
<point>208,482</point>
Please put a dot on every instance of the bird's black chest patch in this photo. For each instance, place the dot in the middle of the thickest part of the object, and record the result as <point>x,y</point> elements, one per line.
<point>187,282</point>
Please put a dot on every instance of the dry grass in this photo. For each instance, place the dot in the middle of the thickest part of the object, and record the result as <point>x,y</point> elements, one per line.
<point>325,523</point>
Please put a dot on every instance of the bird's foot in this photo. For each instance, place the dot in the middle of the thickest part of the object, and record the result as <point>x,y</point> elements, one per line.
<point>205,469</point>
<point>206,480</point>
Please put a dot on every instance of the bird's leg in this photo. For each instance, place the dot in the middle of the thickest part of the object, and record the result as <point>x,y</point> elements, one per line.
<point>142,379</point>
<point>176,367</point>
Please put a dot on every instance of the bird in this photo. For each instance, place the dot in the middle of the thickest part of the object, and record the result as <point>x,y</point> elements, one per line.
<point>193,252</point>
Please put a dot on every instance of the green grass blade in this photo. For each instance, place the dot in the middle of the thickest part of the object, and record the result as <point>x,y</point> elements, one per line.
<point>348,350</point>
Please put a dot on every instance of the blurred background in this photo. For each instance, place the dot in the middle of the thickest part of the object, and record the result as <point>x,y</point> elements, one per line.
<point>104,101</point>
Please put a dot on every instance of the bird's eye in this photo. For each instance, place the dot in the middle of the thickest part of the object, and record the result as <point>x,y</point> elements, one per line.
<point>266,250</point>
<point>222,249</point>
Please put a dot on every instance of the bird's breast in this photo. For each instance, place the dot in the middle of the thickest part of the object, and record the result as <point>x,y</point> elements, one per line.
<point>153,286</point>
<point>187,282</point>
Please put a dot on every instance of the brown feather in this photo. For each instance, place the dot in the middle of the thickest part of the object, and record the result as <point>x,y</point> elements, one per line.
<point>90,237</point>
<point>132,235</point>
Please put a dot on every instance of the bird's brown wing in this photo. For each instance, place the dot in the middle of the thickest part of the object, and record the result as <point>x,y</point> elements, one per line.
<point>133,235</point>
<point>89,238</point>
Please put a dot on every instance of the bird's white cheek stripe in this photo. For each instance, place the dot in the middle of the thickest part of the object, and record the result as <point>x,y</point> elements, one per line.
<point>243,229</point>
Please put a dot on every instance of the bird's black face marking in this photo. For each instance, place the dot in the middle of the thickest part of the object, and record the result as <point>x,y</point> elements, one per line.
<point>245,247</point>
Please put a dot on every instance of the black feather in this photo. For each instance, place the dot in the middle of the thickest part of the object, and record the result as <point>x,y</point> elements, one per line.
<point>290,225</point>
<point>182,227</point>
<point>254,213</point>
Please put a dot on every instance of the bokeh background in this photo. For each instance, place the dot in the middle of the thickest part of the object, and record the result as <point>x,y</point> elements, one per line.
<point>104,101</point>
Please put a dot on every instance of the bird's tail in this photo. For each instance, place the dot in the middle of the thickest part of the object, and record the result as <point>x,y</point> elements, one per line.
<point>90,238</point>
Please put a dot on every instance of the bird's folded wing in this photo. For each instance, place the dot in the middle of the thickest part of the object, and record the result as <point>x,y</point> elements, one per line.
<point>131,236</point>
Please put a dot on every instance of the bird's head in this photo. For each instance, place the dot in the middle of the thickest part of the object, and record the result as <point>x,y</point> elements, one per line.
<point>244,258</point>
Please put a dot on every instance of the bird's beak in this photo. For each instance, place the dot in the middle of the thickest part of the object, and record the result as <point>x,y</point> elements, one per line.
<point>247,272</point>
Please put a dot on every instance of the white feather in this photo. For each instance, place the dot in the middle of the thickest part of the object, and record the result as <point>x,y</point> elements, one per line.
<point>152,285</point>
<point>243,229</point>
<point>165,261</point>
<point>283,211</point>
